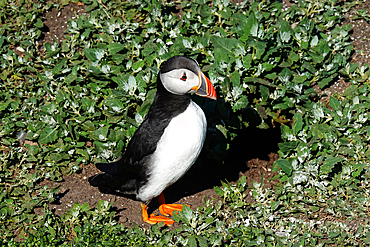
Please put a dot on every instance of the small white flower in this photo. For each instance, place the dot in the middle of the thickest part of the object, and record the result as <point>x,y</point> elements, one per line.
<point>138,118</point>
<point>91,109</point>
<point>117,109</point>
<point>105,69</point>
<point>186,43</point>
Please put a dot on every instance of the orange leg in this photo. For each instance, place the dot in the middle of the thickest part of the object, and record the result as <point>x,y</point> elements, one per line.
<point>167,209</point>
<point>154,218</point>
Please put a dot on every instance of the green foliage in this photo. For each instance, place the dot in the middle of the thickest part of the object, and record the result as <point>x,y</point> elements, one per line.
<point>324,163</point>
<point>79,102</point>
<point>328,150</point>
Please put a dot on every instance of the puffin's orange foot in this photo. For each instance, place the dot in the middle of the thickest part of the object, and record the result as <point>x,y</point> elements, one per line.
<point>167,209</point>
<point>154,218</point>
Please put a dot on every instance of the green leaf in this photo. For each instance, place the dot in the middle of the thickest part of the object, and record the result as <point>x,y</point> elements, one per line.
<point>56,157</point>
<point>285,31</point>
<point>221,56</point>
<point>286,132</point>
<point>39,23</point>
<point>126,84</point>
<point>287,103</point>
<point>138,65</point>
<point>316,58</point>
<point>225,44</point>
<point>118,58</point>
<point>100,134</point>
<point>309,67</point>
<point>83,153</point>
<point>222,129</point>
<point>94,54</point>
<point>334,103</point>
<point>275,205</point>
<point>260,81</point>
<point>350,90</point>
<point>285,165</point>
<point>286,147</point>
<point>297,123</point>
<point>358,168</point>
<point>202,241</point>
<point>293,57</point>
<point>219,191</point>
<point>235,78</point>
<point>264,92</point>
<point>32,149</point>
<point>4,105</point>
<point>321,50</point>
<point>114,48</point>
<point>247,60</point>
<point>259,47</point>
<point>91,7</point>
<point>85,207</point>
<point>319,130</point>
<point>2,39</point>
<point>324,82</point>
<point>314,208</point>
<point>149,47</point>
<point>116,136</point>
<point>88,126</point>
<point>48,135</point>
<point>192,242</point>
<point>329,164</point>
<point>250,27</point>
<point>58,68</point>
<point>70,78</point>
<point>187,213</point>
<point>241,103</point>
<point>285,75</point>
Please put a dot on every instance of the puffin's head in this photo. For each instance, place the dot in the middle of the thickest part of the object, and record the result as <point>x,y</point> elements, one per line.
<point>181,75</point>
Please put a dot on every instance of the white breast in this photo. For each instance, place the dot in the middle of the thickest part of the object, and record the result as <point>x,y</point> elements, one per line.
<point>176,152</point>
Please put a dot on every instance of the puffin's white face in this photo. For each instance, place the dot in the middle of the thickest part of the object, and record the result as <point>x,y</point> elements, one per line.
<point>181,75</point>
<point>180,81</point>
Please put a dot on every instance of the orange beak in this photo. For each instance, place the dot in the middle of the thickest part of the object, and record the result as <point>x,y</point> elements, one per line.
<point>205,87</point>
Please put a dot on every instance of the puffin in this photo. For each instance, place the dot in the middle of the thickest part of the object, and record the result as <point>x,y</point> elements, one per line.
<point>166,144</point>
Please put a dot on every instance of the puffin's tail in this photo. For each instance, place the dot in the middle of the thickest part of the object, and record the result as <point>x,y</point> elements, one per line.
<point>100,180</point>
<point>112,183</point>
<point>107,177</point>
<point>109,168</point>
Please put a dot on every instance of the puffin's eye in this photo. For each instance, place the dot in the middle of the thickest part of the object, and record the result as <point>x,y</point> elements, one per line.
<point>184,77</point>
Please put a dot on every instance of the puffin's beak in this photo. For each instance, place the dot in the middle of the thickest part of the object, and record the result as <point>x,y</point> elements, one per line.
<point>205,87</point>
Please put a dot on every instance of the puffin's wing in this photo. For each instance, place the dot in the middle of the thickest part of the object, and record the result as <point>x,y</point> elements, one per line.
<point>141,146</point>
<point>129,171</point>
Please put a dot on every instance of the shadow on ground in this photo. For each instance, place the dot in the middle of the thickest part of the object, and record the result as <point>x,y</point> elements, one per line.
<point>253,144</point>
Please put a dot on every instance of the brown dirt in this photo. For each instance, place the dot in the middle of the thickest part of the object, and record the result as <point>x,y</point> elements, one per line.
<point>251,154</point>
<point>56,22</point>
<point>361,34</point>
